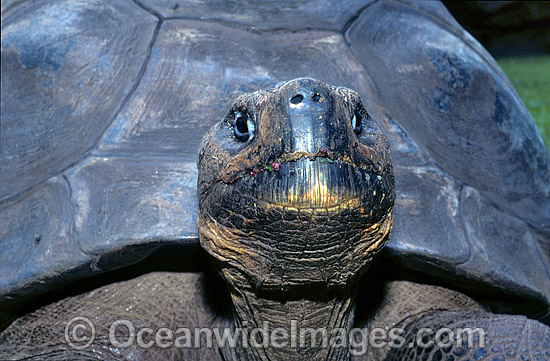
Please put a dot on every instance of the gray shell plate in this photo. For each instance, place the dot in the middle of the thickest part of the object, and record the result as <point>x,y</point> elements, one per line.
<point>104,105</point>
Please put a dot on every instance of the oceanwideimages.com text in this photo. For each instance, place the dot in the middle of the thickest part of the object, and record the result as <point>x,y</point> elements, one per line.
<point>80,333</point>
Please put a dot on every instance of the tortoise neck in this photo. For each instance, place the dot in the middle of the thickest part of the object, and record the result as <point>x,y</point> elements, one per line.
<point>300,329</point>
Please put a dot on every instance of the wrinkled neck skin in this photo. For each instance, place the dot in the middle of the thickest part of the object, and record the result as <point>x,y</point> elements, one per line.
<point>295,329</point>
<point>293,278</point>
<point>292,269</point>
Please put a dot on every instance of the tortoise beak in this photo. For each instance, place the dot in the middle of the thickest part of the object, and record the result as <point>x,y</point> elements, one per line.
<point>312,123</point>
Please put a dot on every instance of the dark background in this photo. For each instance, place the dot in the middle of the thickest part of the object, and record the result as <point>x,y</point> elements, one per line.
<point>506,28</point>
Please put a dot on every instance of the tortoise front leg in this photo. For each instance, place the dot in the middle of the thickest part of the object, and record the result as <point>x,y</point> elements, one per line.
<point>163,309</point>
<point>423,316</point>
<point>504,337</point>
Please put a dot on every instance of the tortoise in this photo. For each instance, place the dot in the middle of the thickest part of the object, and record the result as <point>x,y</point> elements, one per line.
<point>104,105</point>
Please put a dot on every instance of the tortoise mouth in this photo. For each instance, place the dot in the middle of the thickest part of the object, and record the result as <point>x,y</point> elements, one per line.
<point>319,183</point>
<point>304,223</point>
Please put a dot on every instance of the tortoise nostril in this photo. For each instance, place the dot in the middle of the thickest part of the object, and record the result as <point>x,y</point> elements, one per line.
<point>297,99</point>
<point>317,98</point>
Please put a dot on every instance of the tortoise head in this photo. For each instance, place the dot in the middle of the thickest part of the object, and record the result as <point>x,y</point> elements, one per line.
<point>295,186</point>
<point>295,190</point>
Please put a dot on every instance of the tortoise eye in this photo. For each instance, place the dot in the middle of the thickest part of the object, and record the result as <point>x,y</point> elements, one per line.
<point>357,121</point>
<point>360,116</point>
<point>243,126</point>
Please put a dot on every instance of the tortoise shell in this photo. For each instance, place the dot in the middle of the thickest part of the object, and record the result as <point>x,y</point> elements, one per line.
<point>104,104</point>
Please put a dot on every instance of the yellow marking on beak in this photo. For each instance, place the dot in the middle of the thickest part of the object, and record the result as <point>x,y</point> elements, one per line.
<point>319,196</point>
